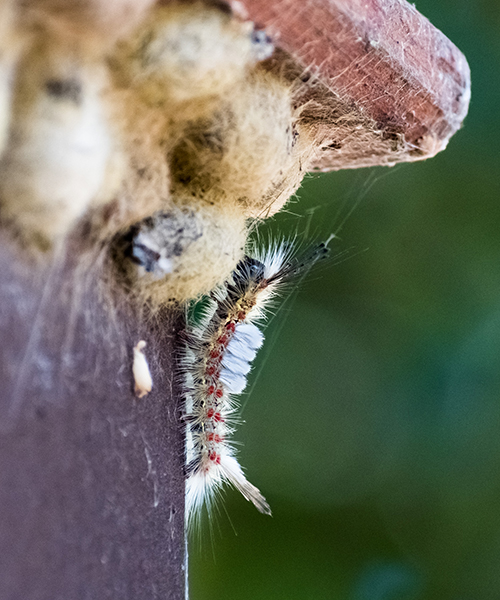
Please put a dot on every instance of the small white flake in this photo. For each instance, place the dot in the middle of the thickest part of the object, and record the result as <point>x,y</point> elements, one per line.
<point>140,369</point>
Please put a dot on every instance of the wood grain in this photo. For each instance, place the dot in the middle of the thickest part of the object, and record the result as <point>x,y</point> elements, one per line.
<point>91,478</point>
<point>381,84</point>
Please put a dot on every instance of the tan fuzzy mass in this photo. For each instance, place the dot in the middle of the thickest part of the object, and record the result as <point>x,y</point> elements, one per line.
<point>185,53</point>
<point>9,51</point>
<point>248,153</point>
<point>185,253</point>
<point>97,24</point>
<point>164,143</point>
<point>54,164</point>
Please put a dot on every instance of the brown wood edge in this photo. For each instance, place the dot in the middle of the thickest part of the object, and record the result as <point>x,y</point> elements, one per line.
<point>380,84</point>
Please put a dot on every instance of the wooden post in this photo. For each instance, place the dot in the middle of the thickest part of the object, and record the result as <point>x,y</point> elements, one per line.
<point>91,478</point>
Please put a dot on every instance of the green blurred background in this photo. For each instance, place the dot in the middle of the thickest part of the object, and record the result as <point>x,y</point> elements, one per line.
<point>373,427</point>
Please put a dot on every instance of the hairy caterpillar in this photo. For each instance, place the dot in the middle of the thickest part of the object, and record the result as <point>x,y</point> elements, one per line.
<point>216,360</point>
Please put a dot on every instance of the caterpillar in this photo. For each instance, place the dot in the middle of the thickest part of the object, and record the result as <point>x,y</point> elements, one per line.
<point>216,360</point>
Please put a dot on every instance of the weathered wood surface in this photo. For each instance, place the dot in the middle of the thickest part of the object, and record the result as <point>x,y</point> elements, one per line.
<point>390,86</point>
<point>91,478</point>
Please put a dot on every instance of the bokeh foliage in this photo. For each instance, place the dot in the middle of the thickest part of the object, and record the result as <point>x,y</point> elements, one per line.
<point>373,427</point>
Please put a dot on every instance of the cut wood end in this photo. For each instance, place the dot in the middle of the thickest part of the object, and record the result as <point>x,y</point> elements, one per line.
<point>380,84</point>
